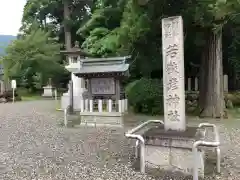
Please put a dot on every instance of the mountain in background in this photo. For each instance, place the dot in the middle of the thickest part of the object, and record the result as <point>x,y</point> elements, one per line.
<point>5,40</point>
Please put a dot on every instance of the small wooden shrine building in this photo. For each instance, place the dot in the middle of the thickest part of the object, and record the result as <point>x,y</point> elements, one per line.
<point>105,103</point>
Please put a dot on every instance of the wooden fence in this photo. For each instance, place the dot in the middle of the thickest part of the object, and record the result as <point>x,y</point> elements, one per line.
<point>106,105</point>
<point>192,83</point>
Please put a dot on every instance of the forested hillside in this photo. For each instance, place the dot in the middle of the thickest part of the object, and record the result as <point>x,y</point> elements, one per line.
<point>5,40</point>
<point>131,27</point>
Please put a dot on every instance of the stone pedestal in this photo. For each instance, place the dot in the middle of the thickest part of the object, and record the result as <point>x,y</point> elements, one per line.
<point>47,91</point>
<point>65,100</point>
<point>78,85</point>
<point>78,93</point>
<point>172,150</point>
<point>99,119</point>
<point>173,73</point>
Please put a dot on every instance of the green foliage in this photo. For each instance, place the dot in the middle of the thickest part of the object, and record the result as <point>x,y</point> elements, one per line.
<point>33,59</point>
<point>214,14</point>
<point>101,42</point>
<point>146,96</point>
<point>123,30</point>
<point>130,86</point>
<point>135,24</point>
<point>48,14</point>
<point>101,32</point>
<point>107,17</point>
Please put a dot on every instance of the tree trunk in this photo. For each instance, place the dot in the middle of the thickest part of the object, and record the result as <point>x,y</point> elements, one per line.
<point>67,31</point>
<point>203,77</point>
<point>211,98</point>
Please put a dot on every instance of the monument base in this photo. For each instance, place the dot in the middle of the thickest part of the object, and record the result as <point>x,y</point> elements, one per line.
<point>65,102</point>
<point>172,150</point>
<point>47,91</point>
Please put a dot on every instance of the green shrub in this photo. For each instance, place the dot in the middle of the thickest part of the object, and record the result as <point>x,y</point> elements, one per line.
<point>146,96</point>
<point>130,85</point>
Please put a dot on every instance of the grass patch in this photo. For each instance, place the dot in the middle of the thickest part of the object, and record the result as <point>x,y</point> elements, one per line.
<point>28,96</point>
<point>31,97</point>
<point>234,112</point>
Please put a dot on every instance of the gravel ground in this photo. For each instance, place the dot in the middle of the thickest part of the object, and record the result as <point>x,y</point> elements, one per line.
<point>34,147</point>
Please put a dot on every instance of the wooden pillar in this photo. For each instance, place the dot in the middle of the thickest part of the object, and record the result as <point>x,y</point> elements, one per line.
<point>71,97</point>
<point>225,83</point>
<point>117,83</point>
<point>91,105</point>
<point>196,84</point>
<point>109,105</point>
<point>82,105</point>
<point>189,84</point>
<point>89,88</point>
<point>2,87</point>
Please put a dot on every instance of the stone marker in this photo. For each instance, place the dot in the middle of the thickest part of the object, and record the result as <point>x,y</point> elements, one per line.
<point>169,146</point>
<point>47,91</point>
<point>225,83</point>
<point>189,84</point>
<point>2,86</point>
<point>173,75</point>
<point>71,96</point>
<point>196,84</point>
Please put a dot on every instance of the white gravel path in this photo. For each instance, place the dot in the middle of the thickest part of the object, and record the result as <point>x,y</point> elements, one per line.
<point>34,147</point>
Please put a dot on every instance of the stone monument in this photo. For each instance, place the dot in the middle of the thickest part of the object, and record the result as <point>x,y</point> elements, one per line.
<point>173,75</point>
<point>48,90</point>
<point>225,83</point>
<point>169,146</point>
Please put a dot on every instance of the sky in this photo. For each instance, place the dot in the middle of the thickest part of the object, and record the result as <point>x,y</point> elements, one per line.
<point>10,16</point>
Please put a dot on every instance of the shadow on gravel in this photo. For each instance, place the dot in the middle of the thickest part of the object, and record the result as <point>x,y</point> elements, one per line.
<point>73,120</point>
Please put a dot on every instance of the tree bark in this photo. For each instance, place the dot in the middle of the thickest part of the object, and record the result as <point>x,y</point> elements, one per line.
<point>67,30</point>
<point>211,98</point>
<point>203,77</point>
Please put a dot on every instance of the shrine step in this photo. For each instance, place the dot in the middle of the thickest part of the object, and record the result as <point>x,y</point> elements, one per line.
<point>94,120</point>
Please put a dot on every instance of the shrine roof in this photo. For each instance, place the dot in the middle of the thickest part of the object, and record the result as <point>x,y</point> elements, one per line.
<point>74,52</point>
<point>103,65</point>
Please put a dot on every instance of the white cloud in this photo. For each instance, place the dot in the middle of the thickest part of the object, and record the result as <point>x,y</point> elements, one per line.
<point>10,16</point>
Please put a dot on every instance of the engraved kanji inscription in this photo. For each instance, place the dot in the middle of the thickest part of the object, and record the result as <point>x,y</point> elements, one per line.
<point>172,84</point>
<point>173,100</point>
<point>168,30</point>
<point>172,67</point>
<point>173,73</point>
<point>172,50</point>
<point>175,27</point>
<point>173,115</point>
<point>171,28</point>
